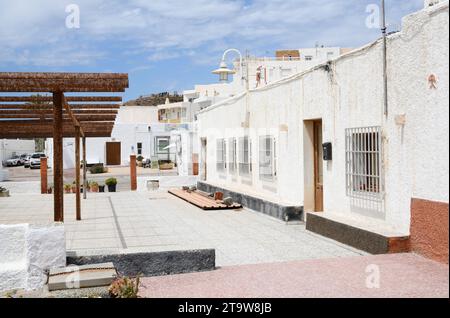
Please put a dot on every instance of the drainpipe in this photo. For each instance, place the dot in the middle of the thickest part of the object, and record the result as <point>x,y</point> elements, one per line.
<point>385,84</point>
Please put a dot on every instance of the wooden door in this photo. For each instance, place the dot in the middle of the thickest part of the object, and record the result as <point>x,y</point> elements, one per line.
<point>318,167</point>
<point>113,157</point>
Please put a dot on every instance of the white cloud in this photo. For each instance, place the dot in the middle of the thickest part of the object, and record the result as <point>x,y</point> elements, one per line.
<point>34,32</point>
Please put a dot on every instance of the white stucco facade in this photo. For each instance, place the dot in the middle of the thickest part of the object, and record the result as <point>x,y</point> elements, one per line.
<point>134,125</point>
<point>27,252</point>
<point>348,93</point>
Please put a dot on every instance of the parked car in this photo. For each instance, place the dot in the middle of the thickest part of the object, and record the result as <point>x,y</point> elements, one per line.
<point>26,163</point>
<point>35,161</point>
<point>23,157</point>
<point>13,162</point>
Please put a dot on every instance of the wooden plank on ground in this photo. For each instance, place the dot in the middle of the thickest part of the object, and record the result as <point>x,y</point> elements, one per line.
<point>201,201</point>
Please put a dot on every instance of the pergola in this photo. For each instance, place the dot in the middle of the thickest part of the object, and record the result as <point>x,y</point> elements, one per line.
<point>59,116</point>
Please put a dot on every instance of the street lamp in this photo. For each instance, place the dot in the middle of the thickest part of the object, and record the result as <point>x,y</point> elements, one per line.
<point>223,71</point>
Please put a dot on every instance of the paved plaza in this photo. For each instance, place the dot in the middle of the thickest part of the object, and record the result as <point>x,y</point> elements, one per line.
<point>157,221</point>
<point>386,276</point>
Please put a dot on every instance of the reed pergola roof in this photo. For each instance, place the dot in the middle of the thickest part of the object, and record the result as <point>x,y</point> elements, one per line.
<point>57,116</point>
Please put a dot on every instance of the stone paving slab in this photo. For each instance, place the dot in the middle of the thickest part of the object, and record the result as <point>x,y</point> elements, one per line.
<point>400,275</point>
<point>147,221</point>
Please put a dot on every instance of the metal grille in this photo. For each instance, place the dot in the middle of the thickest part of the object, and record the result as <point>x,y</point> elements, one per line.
<point>364,175</point>
<point>221,155</point>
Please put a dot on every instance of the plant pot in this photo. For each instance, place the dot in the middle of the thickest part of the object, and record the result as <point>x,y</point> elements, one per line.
<point>95,189</point>
<point>49,191</point>
<point>67,191</point>
<point>101,188</point>
<point>4,194</point>
<point>112,187</point>
<point>74,189</point>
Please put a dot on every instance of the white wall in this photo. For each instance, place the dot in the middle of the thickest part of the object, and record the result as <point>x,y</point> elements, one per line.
<point>10,147</point>
<point>351,95</point>
<point>27,252</point>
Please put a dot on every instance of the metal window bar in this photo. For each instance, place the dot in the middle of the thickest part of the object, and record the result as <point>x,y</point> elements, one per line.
<point>221,155</point>
<point>232,160</point>
<point>245,167</point>
<point>364,175</point>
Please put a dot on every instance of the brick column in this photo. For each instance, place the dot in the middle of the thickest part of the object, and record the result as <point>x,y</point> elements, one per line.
<point>44,170</point>
<point>133,173</point>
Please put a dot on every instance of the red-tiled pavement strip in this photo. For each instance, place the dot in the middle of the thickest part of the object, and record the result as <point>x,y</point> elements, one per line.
<point>401,275</point>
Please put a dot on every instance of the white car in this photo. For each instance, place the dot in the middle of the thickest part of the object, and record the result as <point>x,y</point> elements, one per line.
<point>35,160</point>
<point>13,162</point>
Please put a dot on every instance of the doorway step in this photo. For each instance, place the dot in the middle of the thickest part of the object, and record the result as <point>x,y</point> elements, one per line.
<point>374,236</point>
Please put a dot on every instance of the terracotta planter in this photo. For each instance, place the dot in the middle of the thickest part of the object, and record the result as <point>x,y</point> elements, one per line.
<point>67,190</point>
<point>74,189</point>
<point>94,189</point>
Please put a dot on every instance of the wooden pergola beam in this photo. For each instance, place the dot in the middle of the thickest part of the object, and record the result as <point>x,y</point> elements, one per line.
<point>80,117</point>
<point>35,99</point>
<point>50,106</point>
<point>51,118</point>
<point>66,111</point>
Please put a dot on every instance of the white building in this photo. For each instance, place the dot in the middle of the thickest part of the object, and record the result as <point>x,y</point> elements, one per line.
<point>136,131</point>
<point>385,173</point>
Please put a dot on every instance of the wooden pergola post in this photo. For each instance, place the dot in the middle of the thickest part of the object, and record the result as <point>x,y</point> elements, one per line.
<point>84,169</point>
<point>58,180</point>
<point>77,173</point>
<point>133,177</point>
<point>44,170</point>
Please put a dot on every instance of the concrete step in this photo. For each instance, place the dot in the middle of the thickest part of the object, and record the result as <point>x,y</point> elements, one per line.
<point>74,277</point>
<point>372,237</point>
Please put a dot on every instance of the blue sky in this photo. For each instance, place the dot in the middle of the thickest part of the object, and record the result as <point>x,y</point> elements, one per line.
<point>168,45</point>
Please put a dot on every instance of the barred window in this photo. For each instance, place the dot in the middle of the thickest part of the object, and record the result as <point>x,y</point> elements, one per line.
<point>267,157</point>
<point>363,162</point>
<point>245,159</point>
<point>221,155</point>
<point>232,155</point>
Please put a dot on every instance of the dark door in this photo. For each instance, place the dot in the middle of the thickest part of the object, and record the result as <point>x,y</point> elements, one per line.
<point>113,154</point>
<point>318,167</point>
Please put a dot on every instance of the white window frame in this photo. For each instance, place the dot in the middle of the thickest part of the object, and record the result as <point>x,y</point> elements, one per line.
<point>245,162</point>
<point>221,155</point>
<point>267,158</point>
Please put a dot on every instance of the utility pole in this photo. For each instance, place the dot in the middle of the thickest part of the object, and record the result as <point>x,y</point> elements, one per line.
<point>384,33</point>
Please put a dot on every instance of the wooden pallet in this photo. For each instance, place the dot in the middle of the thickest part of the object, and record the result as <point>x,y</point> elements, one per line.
<point>201,201</point>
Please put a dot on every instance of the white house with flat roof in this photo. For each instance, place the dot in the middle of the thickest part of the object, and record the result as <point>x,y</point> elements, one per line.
<point>321,140</point>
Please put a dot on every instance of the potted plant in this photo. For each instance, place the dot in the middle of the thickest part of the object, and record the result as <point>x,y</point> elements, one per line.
<point>139,161</point>
<point>94,186</point>
<point>50,189</point>
<point>101,188</point>
<point>4,192</point>
<point>111,183</point>
<point>67,188</point>
<point>74,187</point>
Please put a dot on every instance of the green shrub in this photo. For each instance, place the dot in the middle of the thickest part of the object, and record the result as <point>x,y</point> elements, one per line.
<point>96,169</point>
<point>111,181</point>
